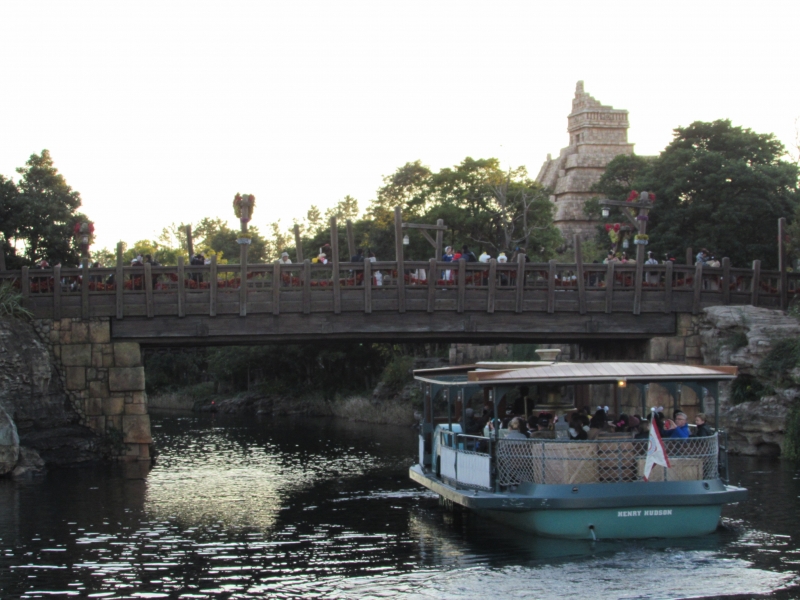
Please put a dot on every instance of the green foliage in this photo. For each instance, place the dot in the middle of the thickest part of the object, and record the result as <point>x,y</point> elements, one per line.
<point>746,388</point>
<point>11,303</point>
<point>791,443</point>
<point>398,372</point>
<point>38,214</point>
<point>780,360</point>
<point>172,370</point>
<point>483,206</point>
<point>723,188</point>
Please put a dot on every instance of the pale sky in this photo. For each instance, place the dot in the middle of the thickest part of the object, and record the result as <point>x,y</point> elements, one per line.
<point>159,112</point>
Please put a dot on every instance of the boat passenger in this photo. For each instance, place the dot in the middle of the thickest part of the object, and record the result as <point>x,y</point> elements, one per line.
<point>514,430</point>
<point>644,431</point>
<point>681,428</point>
<point>597,424</point>
<point>703,430</point>
<point>577,430</point>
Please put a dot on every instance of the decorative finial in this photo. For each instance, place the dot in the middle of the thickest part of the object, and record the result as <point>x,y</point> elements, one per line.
<point>579,88</point>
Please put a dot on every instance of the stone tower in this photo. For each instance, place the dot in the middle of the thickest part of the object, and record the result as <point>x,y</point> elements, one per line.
<point>597,134</point>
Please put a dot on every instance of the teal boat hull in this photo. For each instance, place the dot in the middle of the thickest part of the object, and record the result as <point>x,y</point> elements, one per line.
<point>635,510</point>
<point>632,522</point>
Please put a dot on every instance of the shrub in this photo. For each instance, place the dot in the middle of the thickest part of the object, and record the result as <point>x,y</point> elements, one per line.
<point>746,388</point>
<point>780,360</point>
<point>791,445</point>
<point>11,303</point>
<point>398,372</point>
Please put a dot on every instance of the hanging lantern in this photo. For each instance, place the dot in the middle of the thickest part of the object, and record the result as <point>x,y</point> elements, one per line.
<point>605,212</point>
<point>625,243</point>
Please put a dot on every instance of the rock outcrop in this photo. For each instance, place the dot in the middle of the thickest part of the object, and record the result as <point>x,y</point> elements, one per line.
<point>32,394</point>
<point>743,336</point>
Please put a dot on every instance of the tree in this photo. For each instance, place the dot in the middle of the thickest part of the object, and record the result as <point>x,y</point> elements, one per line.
<point>723,188</point>
<point>10,210</point>
<point>478,202</point>
<point>47,210</point>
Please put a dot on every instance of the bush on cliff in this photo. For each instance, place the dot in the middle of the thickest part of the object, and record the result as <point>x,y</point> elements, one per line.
<point>11,303</point>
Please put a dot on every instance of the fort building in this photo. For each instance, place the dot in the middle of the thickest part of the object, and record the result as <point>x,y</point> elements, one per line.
<point>597,134</point>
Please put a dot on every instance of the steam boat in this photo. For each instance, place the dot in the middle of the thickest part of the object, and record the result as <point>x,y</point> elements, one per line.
<point>552,485</point>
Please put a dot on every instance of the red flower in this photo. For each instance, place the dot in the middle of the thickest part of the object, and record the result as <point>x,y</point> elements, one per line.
<point>632,196</point>
<point>616,227</point>
<point>608,226</point>
<point>652,197</point>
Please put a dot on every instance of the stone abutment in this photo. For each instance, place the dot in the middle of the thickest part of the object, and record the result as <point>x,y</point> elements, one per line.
<point>104,381</point>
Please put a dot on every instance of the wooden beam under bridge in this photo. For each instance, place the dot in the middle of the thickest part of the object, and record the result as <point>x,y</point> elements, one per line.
<point>387,327</point>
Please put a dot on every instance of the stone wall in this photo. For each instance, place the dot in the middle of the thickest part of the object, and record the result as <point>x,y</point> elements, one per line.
<point>104,381</point>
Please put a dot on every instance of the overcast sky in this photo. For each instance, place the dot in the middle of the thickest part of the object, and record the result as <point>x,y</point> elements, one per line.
<point>159,112</point>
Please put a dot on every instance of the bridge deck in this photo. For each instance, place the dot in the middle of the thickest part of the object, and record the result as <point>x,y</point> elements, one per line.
<point>473,301</point>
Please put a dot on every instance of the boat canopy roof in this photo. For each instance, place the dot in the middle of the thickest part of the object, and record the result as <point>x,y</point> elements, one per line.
<point>486,373</point>
<point>604,371</point>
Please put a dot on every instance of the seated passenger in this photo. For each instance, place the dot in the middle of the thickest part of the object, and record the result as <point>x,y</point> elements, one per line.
<point>597,424</point>
<point>577,430</point>
<point>703,430</point>
<point>514,430</point>
<point>680,430</point>
<point>644,431</point>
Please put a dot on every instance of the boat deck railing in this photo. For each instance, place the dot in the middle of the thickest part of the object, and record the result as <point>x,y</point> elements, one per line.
<point>478,462</point>
<point>603,461</point>
<point>466,460</point>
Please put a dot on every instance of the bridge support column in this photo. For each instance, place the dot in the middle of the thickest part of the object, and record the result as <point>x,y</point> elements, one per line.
<point>105,383</point>
<point>683,347</point>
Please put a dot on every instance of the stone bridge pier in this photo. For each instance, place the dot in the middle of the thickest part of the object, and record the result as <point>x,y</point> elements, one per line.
<point>104,381</point>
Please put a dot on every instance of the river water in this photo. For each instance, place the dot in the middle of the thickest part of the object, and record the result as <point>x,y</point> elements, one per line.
<point>320,508</point>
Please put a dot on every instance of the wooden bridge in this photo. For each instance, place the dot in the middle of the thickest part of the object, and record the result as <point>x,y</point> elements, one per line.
<point>425,300</point>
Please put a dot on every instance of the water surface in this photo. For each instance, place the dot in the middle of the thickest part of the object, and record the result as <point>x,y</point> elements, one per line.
<point>319,508</point>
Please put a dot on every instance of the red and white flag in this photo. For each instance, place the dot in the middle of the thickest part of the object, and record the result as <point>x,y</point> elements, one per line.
<point>656,453</point>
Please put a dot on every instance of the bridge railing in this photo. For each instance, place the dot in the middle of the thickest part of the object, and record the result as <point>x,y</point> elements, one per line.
<point>426,286</point>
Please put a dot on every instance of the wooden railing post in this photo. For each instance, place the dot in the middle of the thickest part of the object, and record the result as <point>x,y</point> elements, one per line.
<point>519,297</point>
<point>784,279</point>
<point>276,288</point>
<point>689,257</point>
<point>610,286</point>
<point>367,287</point>
<point>462,285</point>
<point>119,280</point>
<point>439,239</point>
<point>298,246</point>
<point>432,277</point>
<point>551,286</point>
<point>492,291</point>
<point>668,287</point>
<point>182,286</point>
<point>189,242</point>
<point>214,287</point>
<point>306,286</point>
<point>639,278</point>
<point>580,280</point>
<point>84,288</point>
<point>243,280</point>
<point>755,282</point>
<point>725,284</point>
<point>26,286</point>
<point>398,252</point>
<point>57,292</point>
<point>148,290</point>
<point>337,285</point>
<point>698,287</point>
<point>351,243</point>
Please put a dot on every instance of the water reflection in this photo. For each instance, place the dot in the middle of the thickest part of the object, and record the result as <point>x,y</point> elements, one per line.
<point>318,508</point>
